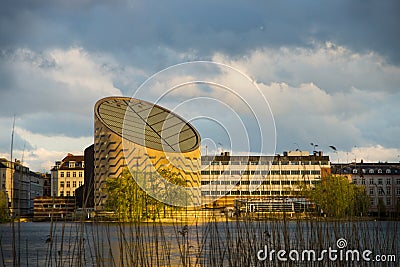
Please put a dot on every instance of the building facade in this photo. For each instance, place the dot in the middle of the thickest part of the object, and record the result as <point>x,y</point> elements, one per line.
<point>21,186</point>
<point>48,208</point>
<point>277,179</point>
<point>67,175</point>
<point>381,182</point>
<point>144,138</point>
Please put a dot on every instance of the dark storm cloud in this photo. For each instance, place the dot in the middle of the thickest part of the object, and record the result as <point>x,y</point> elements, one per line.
<point>204,27</point>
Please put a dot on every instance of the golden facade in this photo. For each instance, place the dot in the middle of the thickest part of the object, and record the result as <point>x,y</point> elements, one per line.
<point>146,138</point>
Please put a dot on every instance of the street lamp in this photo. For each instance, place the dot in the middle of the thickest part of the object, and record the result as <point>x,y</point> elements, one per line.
<point>314,147</point>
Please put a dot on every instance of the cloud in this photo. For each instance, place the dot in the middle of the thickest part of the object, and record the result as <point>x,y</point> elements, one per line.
<point>373,153</point>
<point>61,80</point>
<point>124,28</point>
<point>329,70</point>
<point>327,94</point>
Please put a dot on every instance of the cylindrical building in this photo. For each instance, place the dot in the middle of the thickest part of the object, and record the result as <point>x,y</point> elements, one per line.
<point>143,137</point>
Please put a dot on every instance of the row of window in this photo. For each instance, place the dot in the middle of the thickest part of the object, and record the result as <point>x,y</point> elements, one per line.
<point>68,174</point>
<point>68,184</point>
<point>206,163</point>
<point>372,171</point>
<point>73,164</point>
<point>381,191</point>
<point>379,181</point>
<point>388,201</point>
<point>245,193</point>
<point>274,182</point>
<point>67,193</point>
<point>265,172</point>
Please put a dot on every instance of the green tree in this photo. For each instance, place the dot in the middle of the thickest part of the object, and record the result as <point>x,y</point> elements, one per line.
<point>4,211</point>
<point>381,208</point>
<point>362,201</point>
<point>337,197</point>
<point>131,202</point>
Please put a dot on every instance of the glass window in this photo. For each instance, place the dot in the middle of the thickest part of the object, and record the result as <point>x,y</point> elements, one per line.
<point>379,170</point>
<point>354,170</point>
<point>80,183</point>
<point>371,191</point>
<point>388,171</point>
<point>380,181</point>
<point>73,183</point>
<point>388,190</point>
<point>388,201</point>
<point>74,174</point>
<point>205,193</point>
<point>80,174</point>
<point>398,191</point>
<point>61,184</point>
<point>68,184</point>
<point>68,193</point>
<point>61,174</point>
<point>68,174</point>
<point>61,193</point>
<point>380,191</point>
<point>388,181</point>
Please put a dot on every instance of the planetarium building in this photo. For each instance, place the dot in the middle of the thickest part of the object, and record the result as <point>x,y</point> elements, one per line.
<point>141,137</point>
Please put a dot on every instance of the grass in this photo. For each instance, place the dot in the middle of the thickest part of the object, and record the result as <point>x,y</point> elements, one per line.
<point>213,242</point>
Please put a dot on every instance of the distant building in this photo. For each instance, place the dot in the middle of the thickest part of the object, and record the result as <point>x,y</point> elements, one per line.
<point>21,186</point>
<point>46,184</point>
<point>85,193</point>
<point>67,175</point>
<point>260,179</point>
<point>381,181</point>
<point>47,208</point>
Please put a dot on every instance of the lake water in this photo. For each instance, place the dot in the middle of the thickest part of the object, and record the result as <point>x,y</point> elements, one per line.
<point>208,244</point>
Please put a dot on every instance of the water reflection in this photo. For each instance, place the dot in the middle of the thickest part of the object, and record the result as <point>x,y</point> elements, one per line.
<point>207,244</point>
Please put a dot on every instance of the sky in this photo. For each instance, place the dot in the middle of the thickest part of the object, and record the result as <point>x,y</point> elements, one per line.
<point>326,72</point>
